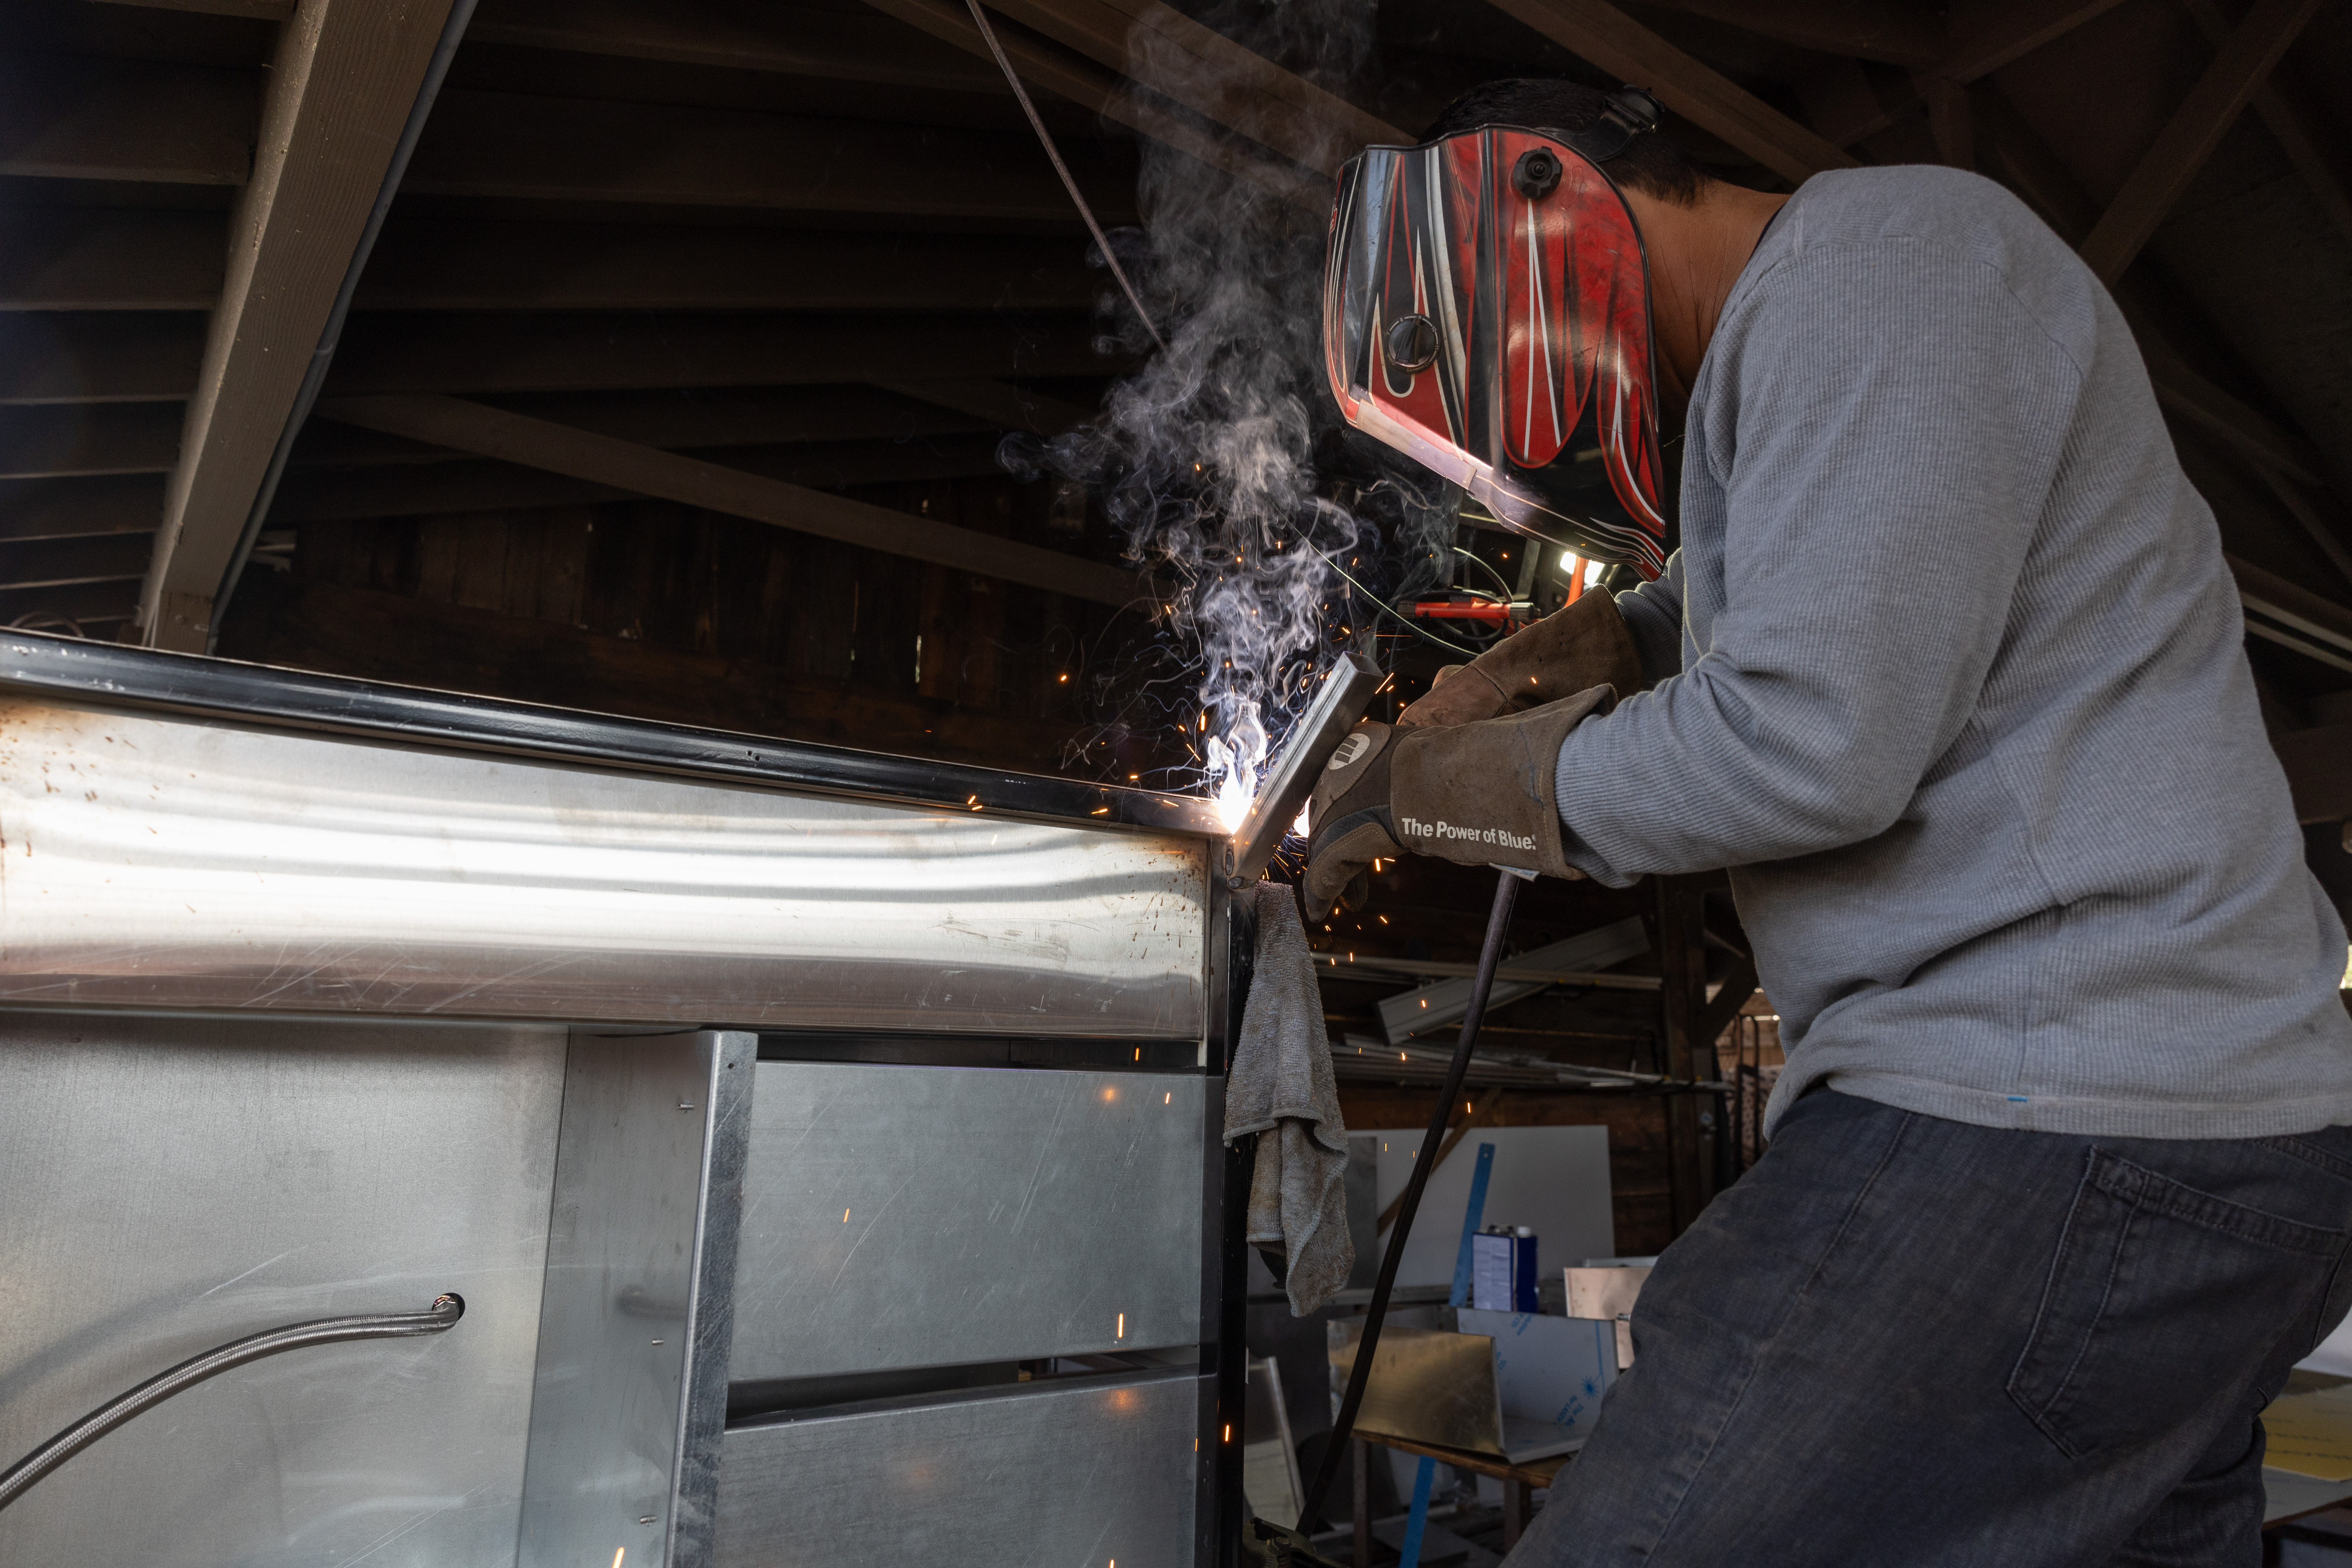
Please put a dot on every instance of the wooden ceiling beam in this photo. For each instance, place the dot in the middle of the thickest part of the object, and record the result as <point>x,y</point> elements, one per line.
<point>2010,30</point>
<point>782,41</point>
<point>64,563</point>
<point>345,78</point>
<point>1211,75</point>
<point>89,606</point>
<point>1619,45</point>
<point>1889,31</point>
<point>1847,108</point>
<point>1000,403</point>
<point>54,509</point>
<point>2192,132</point>
<point>78,117</point>
<point>431,264</point>
<point>2292,124</point>
<point>99,356</point>
<point>537,443</point>
<point>256,10</point>
<point>97,258</point>
<point>523,147</point>
<point>1043,63</point>
<point>111,259</point>
<point>59,440</point>
<point>387,352</point>
<point>674,421</point>
<point>485,485</point>
<point>2031,169</point>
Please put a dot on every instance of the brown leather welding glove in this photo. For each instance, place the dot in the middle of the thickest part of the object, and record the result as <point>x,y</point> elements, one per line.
<point>1574,649</point>
<point>1480,794</point>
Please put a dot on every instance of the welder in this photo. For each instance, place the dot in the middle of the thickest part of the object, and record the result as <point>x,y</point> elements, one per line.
<point>1947,670</point>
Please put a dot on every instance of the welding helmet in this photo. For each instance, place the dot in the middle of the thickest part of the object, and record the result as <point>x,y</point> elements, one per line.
<point>1486,312</point>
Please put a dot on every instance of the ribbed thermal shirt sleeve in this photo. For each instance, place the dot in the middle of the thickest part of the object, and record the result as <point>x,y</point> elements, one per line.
<point>1882,422</point>
<point>1653,614</point>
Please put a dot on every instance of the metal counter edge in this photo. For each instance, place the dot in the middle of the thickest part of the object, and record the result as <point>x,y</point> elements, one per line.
<point>68,669</point>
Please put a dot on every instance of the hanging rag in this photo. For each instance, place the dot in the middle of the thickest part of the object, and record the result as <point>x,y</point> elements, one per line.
<point>1280,1087</point>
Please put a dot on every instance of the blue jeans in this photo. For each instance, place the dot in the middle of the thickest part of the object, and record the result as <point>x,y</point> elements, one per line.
<point>1906,1341</point>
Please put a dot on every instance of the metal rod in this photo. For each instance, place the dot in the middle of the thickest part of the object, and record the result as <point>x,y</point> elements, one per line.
<point>18,1478</point>
<point>1077,197</point>
<point>1346,689</point>
<point>1490,955</point>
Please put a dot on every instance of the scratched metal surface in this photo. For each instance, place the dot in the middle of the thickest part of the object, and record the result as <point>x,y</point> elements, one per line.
<point>169,1185</point>
<point>166,862</point>
<point>899,1217</point>
<point>1076,1474</point>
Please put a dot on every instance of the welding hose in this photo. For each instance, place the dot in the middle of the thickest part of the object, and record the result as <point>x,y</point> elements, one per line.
<point>1499,923</point>
<point>18,1478</point>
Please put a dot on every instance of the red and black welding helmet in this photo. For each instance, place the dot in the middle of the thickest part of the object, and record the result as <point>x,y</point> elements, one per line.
<point>1486,312</point>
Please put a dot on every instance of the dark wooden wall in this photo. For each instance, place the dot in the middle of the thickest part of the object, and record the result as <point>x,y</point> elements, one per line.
<point>661,611</point>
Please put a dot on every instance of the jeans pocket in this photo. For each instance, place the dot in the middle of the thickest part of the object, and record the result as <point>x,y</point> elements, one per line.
<point>2143,1318</point>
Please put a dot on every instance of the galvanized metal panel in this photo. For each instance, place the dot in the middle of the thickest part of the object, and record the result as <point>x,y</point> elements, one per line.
<point>155,861</point>
<point>169,1185</point>
<point>927,1216</point>
<point>631,1388</point>
<point>1081,1474</point>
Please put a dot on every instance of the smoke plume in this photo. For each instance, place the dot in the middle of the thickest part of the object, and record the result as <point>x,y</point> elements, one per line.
<point>1223,461</point>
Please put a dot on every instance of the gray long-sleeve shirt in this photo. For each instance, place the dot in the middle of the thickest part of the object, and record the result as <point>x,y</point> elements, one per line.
<point>1949,671</point>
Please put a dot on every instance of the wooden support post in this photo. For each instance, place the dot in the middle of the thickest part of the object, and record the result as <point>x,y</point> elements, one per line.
<point>1682,996</point>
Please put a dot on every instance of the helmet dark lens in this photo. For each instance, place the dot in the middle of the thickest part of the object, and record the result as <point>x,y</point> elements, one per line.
<point>1413,344</point>
<point>1536,175</point>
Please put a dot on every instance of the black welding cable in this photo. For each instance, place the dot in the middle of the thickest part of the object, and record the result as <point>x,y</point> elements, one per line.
<point>1499,923</point>
<point>1069,185</point>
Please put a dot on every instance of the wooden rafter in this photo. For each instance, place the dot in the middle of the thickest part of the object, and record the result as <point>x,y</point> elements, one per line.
<point>998,402</point>
<point>2286,464</point>
<point>2012,31</point>
<point>258,10</point>
<point>398,351</point>
<point>644,471</point>
<point>2189,137</point>
<point>1854,110</point>
<point>1619,45</point>
<point>1083,82</point>
<point>439,264</point>
<point>72,117</point>
<point>1211,75</point>
<point>2292,124</point>
<point>1886,31</point>
<point>506,146</point>
<point>346,74</point>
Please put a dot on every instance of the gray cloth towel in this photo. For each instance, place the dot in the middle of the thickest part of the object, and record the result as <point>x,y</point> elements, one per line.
<point>1280,1087</point>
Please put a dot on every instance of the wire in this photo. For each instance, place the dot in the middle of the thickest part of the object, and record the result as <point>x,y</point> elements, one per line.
<point>1068,183</point>
<point>1404,621</point>
<point>1487,568</point>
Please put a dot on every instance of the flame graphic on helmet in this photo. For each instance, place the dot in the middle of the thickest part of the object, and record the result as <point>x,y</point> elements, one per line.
<point>1537,297</point>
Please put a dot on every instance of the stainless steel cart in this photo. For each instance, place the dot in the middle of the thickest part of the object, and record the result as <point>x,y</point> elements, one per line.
<point>824,1145</point>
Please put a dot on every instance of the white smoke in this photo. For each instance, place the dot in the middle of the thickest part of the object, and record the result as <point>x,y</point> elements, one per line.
<point>1207,458</point>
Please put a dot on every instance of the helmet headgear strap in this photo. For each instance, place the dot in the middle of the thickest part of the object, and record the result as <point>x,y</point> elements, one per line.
<point>1628,112</point>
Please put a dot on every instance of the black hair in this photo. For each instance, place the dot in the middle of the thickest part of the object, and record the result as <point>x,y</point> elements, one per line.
<point>1650,163</point>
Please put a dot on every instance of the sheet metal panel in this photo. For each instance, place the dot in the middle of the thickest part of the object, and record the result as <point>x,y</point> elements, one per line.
<point>631,1390</point>
<point>901,1216</point>
<point>169,1185</point>
<point>1079,1475</point>
<point>156,861</point>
